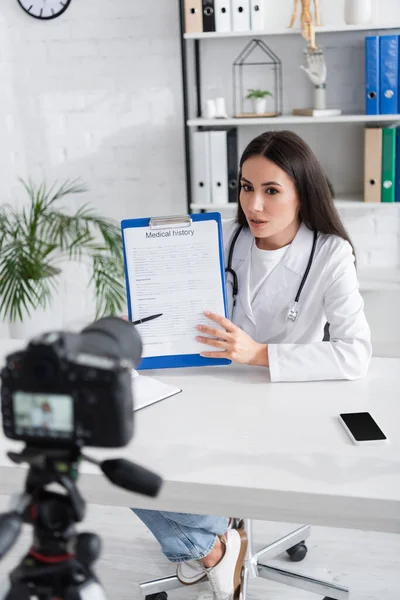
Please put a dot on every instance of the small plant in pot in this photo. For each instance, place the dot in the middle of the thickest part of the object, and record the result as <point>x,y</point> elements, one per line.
<point>36,240</point>
<point>259,98</point>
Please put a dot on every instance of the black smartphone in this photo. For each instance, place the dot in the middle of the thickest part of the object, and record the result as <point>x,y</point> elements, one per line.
<point>362,428</point>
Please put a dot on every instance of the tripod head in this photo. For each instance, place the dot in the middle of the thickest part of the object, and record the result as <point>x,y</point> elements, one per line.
<point>58,564</point>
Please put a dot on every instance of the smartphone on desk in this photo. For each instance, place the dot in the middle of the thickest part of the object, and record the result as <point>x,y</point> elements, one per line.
<point>362,428</point>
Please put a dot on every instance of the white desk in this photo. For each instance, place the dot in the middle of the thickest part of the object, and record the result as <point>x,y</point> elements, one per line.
<point>232,443</point>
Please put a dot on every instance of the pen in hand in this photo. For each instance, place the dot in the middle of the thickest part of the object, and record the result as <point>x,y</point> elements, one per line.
<point>145,319</point>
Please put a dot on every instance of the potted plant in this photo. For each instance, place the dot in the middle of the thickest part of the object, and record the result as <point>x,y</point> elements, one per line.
<point>259,98</point>
<point>34,241</point>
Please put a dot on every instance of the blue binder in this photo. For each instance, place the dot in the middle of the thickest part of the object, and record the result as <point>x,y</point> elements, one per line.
<point>397,180</point>
<point>170,224</point>
<point>372,75</point>
<point>389,74</point>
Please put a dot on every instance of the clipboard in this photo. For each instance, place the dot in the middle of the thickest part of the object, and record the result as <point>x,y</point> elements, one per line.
<point>166,228</point>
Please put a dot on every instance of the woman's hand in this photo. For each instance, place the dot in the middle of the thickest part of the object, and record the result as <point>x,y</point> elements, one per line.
<point>233,342</point>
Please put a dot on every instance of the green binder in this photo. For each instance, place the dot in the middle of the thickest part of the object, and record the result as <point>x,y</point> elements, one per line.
<point>388,164</point>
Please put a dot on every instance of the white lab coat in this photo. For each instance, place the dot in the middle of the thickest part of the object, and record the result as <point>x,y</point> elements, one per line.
<point>330,294</point>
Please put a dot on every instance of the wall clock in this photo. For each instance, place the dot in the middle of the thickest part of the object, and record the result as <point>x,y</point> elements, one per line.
<point>44,9</point>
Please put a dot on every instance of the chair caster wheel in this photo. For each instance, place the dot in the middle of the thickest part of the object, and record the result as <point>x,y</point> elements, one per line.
<point>297,552</point>
<point>158,596</point>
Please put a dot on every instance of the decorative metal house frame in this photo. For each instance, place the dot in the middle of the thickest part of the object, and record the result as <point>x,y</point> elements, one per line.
<point>273,63</point>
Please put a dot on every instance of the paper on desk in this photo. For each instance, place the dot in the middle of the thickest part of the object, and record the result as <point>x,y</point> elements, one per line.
<point>147,391</point>
<point>175,272</point>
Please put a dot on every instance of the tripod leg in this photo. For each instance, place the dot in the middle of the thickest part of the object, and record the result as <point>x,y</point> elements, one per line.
<point>88,548</point>
<point>16,592</point>
<point>91,590</point>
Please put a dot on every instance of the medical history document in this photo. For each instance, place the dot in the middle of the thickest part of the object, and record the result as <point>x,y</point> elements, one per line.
<point>177,271</point>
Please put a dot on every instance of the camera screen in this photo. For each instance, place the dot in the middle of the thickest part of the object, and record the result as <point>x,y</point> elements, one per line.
<point>43,415</point>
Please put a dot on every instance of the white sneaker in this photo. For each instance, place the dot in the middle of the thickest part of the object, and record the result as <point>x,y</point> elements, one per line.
<point>225,577</point>
<point>193,572</point>
<point>206,595</point>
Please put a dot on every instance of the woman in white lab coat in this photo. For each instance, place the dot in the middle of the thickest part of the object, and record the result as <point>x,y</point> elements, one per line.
<point>284,198</point>
<point>287,216</point>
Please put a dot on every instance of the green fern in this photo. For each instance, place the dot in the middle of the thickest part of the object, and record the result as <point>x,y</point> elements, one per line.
<point>36,237</point>
<point>258,94</point>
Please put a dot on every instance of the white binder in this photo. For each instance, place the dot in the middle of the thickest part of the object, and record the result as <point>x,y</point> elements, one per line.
<point>219,167</point>
<point>223,15</point>
<point>201,168</point>
<point>257,15</point>
<point>241,15</point>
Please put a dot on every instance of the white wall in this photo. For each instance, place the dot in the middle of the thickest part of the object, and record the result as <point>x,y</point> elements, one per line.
<point>96,94</point>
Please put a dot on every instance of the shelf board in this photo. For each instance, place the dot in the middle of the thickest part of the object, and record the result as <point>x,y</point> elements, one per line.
<point>377,280</point>
<point>287,31</point>
<point>348,201</point>
<point>293,120</point>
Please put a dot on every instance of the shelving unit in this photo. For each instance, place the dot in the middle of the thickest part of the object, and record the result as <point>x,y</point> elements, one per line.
<point>191,123</point>
<point>293,31</point>
<point>340,202</point>
<point>292,120</point>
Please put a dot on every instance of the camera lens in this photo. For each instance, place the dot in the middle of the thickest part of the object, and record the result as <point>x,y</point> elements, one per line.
<point>112,337</point>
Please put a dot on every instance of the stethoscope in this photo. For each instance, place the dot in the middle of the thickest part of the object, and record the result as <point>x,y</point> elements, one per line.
<point>293,312</point>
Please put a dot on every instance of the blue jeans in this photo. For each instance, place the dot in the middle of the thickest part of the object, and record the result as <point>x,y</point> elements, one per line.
<point>183,537</point>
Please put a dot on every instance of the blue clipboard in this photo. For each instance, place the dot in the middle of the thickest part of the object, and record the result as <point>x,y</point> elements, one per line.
<point>184,360</point>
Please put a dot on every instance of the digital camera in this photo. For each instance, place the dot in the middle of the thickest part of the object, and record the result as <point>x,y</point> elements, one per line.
<point>73,389</point>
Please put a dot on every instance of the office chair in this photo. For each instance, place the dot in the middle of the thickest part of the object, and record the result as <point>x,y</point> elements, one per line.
<point>254,566</point>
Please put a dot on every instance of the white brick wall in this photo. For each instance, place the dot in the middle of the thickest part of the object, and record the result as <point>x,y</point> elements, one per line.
<point>96,94</point>
<point>375,233</point>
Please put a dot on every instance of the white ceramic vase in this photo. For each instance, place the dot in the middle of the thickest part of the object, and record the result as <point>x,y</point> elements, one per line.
<point>260,106</point>
<point>358,12</point>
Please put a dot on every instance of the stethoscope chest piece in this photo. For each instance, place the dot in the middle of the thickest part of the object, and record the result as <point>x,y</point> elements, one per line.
<point>293,312</point>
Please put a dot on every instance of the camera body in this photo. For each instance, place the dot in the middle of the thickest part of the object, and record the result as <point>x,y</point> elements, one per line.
<point>72,389</point>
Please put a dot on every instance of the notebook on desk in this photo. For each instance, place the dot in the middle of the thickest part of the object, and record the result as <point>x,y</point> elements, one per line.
<point>147,391</point>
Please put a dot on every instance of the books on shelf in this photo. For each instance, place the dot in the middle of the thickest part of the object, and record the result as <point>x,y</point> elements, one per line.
<point>382,68</point>
<point>382,164</point>
<point>223,16</point>
<point>315,112</point>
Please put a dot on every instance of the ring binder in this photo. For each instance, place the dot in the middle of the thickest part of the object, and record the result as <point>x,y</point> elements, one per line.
<point>170,222</point>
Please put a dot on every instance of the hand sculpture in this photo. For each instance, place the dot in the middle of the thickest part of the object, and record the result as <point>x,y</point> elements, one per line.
<point>316,67</point>
<point>316,72</point>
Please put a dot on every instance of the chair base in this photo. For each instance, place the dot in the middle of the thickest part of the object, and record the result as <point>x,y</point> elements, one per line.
<point>253,567</point>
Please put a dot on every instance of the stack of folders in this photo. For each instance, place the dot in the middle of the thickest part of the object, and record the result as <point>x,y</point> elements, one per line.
<point>214,166</point>
<point>223,15</point>
<point>382,67</point>
<point>382,164</point>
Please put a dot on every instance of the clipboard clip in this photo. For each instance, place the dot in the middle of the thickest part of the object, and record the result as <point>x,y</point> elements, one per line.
<point>170,222</point>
